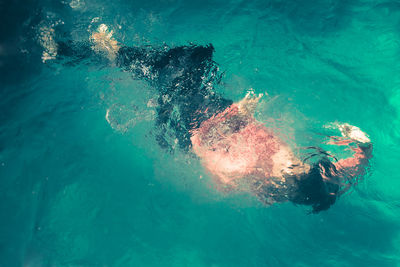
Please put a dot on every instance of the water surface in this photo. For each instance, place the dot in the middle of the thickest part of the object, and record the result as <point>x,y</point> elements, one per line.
<point>74,191</point>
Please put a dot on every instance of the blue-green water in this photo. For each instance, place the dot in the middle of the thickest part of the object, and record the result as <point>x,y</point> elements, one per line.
<point>76,192</point>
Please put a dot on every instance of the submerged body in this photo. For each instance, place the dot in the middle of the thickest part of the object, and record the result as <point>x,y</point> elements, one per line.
<point>239,152</point>
<point>233,145</point>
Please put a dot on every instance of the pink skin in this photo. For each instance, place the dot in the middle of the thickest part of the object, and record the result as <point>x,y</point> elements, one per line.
<point>354,165</point>
<point>234,154</point>
<point>234,147</point>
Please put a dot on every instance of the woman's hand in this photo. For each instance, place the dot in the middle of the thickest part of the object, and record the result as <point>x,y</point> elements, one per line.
<point>248,104</point>
<point>353,132</point>
<point>104,43</point>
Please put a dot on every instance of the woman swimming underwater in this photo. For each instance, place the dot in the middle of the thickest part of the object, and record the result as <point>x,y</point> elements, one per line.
<point>239,152</point>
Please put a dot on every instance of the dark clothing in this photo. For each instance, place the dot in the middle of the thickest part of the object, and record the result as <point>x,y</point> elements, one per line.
<point>185,78</point>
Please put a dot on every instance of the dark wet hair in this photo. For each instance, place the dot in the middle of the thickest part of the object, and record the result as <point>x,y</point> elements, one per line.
<point>312,189</point>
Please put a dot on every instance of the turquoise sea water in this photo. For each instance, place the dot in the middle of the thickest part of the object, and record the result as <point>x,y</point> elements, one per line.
<point>74,191</point>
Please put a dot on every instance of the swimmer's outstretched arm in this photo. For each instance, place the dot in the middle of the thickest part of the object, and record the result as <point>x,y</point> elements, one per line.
<point>352,135</point>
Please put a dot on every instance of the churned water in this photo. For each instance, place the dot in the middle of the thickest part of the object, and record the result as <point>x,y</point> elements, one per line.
<point>79,188</point>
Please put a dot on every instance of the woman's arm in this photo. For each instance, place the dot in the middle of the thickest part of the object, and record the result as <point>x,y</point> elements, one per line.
<point>359,143</point>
